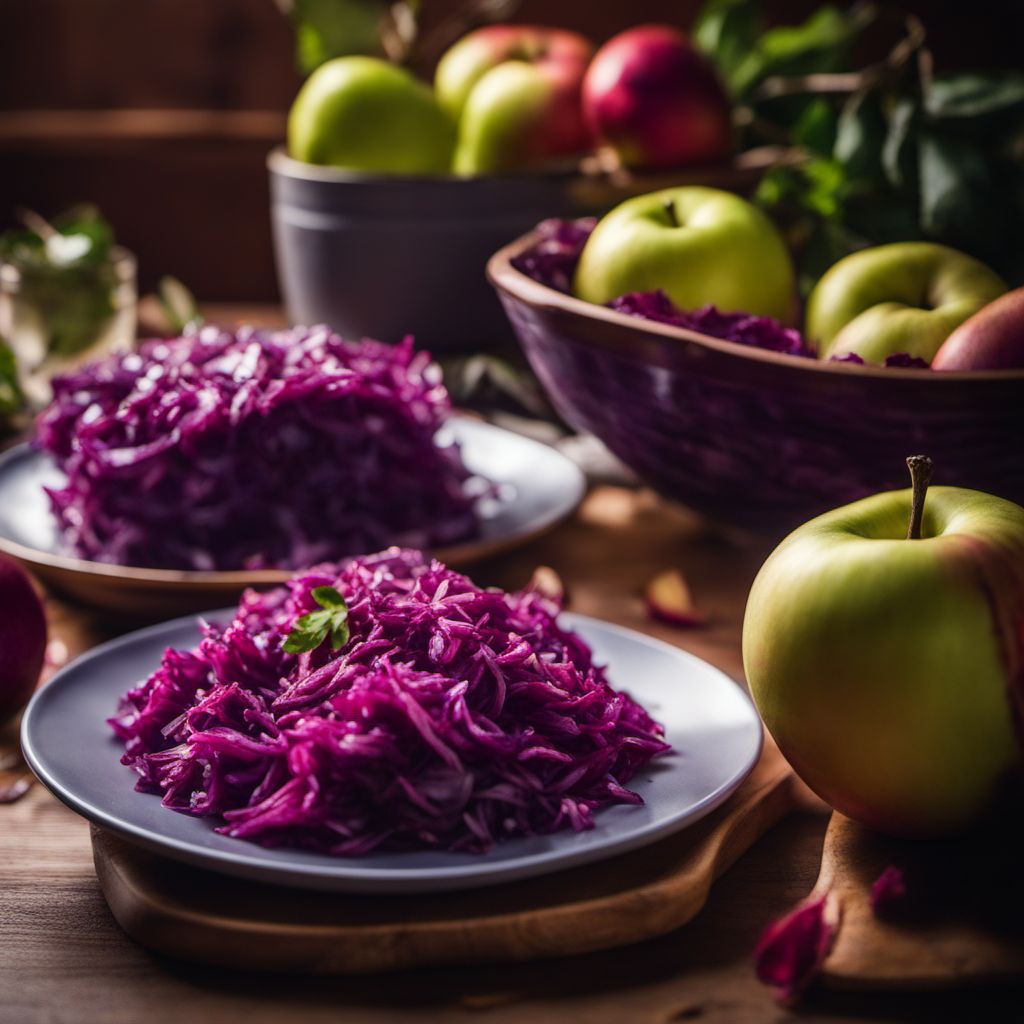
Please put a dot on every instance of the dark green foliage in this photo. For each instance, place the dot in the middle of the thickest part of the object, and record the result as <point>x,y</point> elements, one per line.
<point>889,152</point>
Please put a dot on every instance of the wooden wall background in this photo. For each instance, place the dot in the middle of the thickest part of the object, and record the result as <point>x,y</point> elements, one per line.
<point>183,177</point>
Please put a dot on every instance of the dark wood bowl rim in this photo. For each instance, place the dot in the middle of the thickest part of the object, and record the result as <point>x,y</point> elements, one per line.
<point>506,278</point>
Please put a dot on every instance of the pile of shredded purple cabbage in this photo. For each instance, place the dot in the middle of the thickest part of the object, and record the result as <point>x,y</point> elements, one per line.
<point>454,717</point>
<point>248,448</point>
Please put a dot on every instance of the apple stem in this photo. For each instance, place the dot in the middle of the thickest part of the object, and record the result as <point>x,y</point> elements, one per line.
<point>920,467</point>
<point>670,209</point>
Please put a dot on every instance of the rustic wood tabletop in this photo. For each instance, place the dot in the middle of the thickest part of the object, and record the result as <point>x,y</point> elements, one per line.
<point>63,958</point>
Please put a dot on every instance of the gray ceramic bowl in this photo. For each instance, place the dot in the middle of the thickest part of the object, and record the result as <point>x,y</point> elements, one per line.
<point>389,256</point>
<point>386,257</point>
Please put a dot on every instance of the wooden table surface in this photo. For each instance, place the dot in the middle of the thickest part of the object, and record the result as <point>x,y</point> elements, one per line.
<point>63,959</point>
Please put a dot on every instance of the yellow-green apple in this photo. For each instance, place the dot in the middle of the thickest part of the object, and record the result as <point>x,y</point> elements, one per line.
<point>699,245</point>
<point>888,663</point>
<point>365,114</point>
<point>515,92</point>
<point>651,96</point>
<point>992,339</point>
<point>904,297</point>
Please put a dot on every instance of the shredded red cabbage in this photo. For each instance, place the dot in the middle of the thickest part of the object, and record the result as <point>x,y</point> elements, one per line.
<point>901,360</point>
<point>552,260</point>
<point>889,891</point>
<point>756,331</point>
<point>790,952</point>
<point>453,717</point>
<point>248,448</point>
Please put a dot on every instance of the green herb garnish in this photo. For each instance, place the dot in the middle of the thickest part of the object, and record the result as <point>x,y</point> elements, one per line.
<point>12,400</point>
<point>331,618</point>
<point>181,311</point>
<point>67,275</point>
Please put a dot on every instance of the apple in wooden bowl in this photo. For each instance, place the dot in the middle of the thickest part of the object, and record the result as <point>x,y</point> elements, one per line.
<point>392,191</point>
<point>754,438</point>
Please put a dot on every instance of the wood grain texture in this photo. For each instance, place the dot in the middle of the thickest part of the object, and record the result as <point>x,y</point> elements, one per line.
<point>196,915</point>
<point>64,960</point>
<point>961,921</point>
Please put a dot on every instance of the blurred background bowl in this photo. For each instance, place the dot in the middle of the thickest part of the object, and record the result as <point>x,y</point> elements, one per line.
<point>751,438</point>
<point>388,256</point>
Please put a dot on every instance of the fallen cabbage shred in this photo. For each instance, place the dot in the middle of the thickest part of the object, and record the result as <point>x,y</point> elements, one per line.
<point>453,718</point>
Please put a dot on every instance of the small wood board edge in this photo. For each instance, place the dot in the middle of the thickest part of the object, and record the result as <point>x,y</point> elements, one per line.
<point>196,915</point>
<point>958,924</point>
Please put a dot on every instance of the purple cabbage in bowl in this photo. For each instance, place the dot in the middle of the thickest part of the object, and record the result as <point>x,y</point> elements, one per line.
<point>756,331</point>
<point>552,261</point>
<point>249,449</point>
<point>451,717</point>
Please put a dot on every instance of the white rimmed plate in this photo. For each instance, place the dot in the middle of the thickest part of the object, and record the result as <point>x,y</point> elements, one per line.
<point>537,487</point>
<point>710,722</point>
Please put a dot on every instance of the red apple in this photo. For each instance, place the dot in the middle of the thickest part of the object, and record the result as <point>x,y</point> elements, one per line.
<point>515,93</point>
<point>22,638</point>
<point>992,339</point>
<point>654,99</point>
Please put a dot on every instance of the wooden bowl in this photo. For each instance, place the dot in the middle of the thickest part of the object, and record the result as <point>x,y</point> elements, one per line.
<point>751,438</point>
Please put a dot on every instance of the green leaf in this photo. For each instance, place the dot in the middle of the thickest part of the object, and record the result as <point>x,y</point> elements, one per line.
<point>816,128</point>
<point>827,243</point>
<point>330,619</point>
<point>899,154</point>
<point>178,304</point>
<point>816,186</point>
<point>957,204</point>
<point>335,28</point>
<point>67,276</point>
<point>86,221</point>
<point>820,44</point>
<point>328,597</point>
<point>726,31</point>
<point>881,215</point>
<point>969,95</point>
<point>860,136</point>
<point>12,400</point>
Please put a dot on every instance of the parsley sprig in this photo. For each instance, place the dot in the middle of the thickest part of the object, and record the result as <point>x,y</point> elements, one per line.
<point>330,619</point>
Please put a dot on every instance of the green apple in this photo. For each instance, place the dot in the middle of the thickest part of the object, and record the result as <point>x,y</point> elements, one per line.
<point>499,119</point>
<point>515,91</point>
<point>905,297</point>
<point>887,663</point>
<point>699,245</point>
<point>364,114</point>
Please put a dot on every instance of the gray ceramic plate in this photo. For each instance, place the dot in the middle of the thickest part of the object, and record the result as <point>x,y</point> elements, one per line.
<point>709,721</point>
<point>538,487</point>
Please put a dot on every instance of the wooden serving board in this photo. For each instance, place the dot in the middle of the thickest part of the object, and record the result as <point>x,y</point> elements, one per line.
<point>960,922</point>
<point>192,914</point>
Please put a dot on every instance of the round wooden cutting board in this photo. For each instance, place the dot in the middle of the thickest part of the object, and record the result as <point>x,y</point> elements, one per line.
<point>197,915</point>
